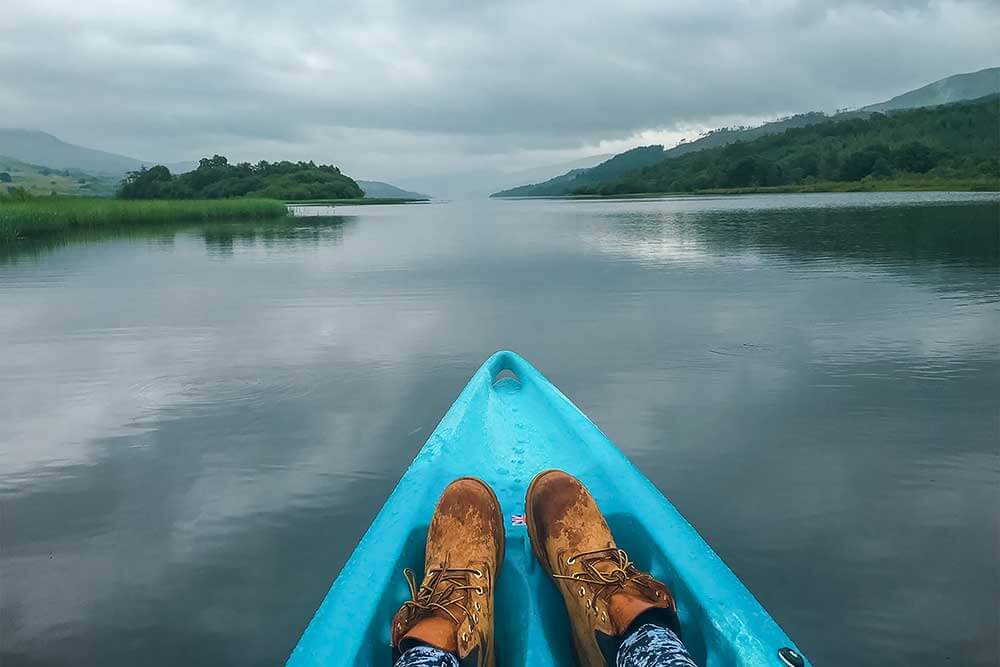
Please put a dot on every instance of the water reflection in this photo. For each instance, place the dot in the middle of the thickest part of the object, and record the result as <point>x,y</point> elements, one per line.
<point>199,422</point>
<point>219,235</point>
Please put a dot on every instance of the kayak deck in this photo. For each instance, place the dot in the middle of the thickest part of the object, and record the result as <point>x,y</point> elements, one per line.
<point>508,424</point>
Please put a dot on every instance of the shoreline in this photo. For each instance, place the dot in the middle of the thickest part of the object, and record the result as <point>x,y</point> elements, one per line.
<point>895,185</point>
<point>51,215</point>
<point>355,202</point>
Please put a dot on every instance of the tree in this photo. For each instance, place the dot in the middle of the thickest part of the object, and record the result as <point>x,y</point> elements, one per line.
<point>216,178</point>
<point>5,177</point>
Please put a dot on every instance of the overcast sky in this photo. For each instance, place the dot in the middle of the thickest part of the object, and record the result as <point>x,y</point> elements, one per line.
<point>394,90</point>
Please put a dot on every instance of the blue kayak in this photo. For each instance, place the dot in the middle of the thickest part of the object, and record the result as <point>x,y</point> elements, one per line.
<point>508,424</point>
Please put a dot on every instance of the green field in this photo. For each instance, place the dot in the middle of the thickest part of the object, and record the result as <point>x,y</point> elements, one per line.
<point>45,215</point>
<point>37,180</point>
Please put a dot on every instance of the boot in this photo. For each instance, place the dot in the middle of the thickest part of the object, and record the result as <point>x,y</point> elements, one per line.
<point>603,590</point>
<point>452,609</point>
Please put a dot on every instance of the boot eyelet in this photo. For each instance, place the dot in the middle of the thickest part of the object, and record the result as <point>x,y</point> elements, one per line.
<point>658,594</point>
<point>475,618</point>
<point>604,616</point>
<point>477,605</point>
<point>570,561</point>
<point>583,591</point>
<point>465,636</point>
<point>480,590</point>
<point>478,573</point>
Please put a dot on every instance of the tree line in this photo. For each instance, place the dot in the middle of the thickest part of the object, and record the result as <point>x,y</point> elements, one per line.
<point>215,178</point>
<point>955,141</point>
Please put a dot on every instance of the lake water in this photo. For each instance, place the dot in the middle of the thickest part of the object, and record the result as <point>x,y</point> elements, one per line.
<point>198,423</point>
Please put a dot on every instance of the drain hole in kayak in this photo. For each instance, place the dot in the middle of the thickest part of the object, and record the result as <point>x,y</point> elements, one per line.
<point>506,378</point>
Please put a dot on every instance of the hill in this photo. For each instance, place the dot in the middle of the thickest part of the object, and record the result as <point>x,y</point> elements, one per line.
<point>616,166</point>
<point>954,88</point>
<point>41,148</point>
<point>215,178</point>
<point>648,155</point>
<point>380,190</point>
<point>950,143</point>
<point>944,91</point>
<point>39,180</point>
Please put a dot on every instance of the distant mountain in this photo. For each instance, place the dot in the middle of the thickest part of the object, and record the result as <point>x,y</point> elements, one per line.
<point>481,182</point>
<point>950,89</point>
<point>41,148</point>
<point>545,172</point>
<point>955,88</point>
<point>618,165</point>
<point>39,180</point>
<point>380,190</point>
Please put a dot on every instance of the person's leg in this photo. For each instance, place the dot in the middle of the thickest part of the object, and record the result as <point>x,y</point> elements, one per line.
<point>450,616</point>
<point>618,614</point>
<point>653,646</point>
<point>426,656</point>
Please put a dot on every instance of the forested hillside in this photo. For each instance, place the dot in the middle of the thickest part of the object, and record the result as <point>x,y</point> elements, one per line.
<point>958,141</point>
<point>617,166</point>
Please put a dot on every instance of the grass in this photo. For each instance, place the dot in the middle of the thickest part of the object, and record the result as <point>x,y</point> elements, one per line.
<point>355,202</point>
<point>46,215</point>
<point>903,184</point>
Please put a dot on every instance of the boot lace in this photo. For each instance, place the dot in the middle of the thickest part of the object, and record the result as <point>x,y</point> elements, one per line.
<point>616,572</point>
<point>445,589</point>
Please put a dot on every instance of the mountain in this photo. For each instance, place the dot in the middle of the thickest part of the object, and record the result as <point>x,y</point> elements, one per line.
<point>959,87</point>
<point>644,156</point>
<point>953,146</point>
<point>950,89</point>
<point>380,190</point>
<point>609,169</point>
<point>481,182</point>
<point>38,180</point>
<point>41,148</point>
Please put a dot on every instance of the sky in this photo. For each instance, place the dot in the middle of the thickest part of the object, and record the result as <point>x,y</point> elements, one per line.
<point>408,91</point>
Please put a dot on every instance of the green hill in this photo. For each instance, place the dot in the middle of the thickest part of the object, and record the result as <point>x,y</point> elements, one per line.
<point>215,178</point>
<point>959,87</point>
<point>41,148</point>
<point>955,88</point>
<point>380,190</point>
<point>616,166</point>
<point>649,155</point>
<point>948,144</point>
<point>39,180</point>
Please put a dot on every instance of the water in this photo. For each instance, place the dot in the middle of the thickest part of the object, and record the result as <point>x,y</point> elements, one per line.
<point>198,423</point>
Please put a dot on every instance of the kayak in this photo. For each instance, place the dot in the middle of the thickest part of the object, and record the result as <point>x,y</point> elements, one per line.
<point>508,424</point>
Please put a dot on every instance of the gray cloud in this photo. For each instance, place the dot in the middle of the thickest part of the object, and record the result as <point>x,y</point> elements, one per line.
<point>397,89</point>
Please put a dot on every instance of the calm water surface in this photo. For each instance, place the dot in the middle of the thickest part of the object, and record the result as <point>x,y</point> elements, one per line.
<point>198,423</point>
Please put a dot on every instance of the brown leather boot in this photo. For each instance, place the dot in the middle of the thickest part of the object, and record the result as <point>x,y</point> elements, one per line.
<point>453,608</point>
<point>603,591</point>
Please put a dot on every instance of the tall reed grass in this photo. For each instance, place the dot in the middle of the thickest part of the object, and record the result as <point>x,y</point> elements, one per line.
<point>45,215</point>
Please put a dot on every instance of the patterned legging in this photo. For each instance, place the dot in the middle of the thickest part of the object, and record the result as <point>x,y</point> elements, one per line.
<point>649,646</point>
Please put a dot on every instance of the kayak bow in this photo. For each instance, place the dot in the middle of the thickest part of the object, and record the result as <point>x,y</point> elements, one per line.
<point>508,424</point>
